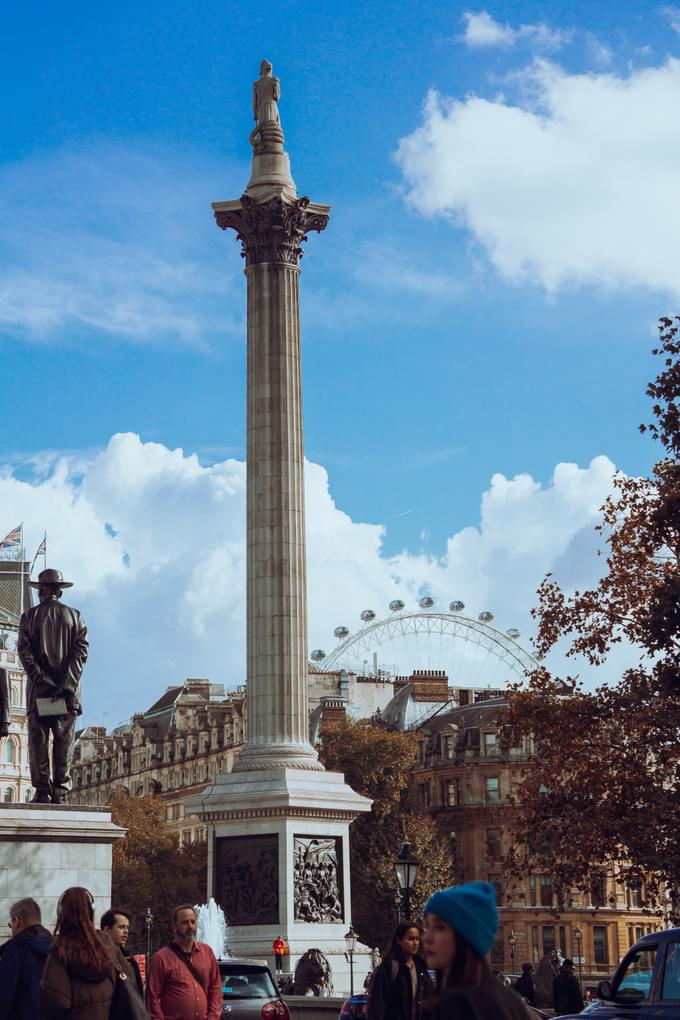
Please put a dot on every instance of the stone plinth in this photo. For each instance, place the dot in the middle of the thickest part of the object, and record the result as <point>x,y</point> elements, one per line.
<point>45,849</point>
<point>260,823</point>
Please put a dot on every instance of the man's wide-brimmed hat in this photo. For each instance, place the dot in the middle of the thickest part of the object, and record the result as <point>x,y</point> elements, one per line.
<point>51,576</point>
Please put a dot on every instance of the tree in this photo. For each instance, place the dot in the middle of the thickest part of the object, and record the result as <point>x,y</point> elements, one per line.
<point>604,785</point>
<point>376,763</point>
<point>150,870</point>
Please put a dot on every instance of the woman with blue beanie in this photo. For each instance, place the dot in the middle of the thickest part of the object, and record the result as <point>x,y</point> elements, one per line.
<point>460,928</point>
<point>401,982</point>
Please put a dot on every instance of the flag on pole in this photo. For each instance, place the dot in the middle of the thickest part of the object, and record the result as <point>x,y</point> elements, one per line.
<point>13,540</point>
<point>40,551</point>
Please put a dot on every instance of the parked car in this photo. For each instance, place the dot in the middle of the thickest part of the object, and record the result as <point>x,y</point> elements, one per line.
<point>646,983</point>
<point>249,992</point>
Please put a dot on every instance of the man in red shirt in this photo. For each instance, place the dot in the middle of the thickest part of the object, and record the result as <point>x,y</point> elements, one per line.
<point>184,979</point>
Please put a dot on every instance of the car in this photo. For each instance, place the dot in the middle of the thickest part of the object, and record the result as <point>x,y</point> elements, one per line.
<point>646,983</point>
<point>249,991</point>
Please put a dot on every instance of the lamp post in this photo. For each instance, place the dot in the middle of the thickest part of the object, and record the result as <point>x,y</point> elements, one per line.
<point>148,917</point>
<point>350,943</point>
<point>406,867</point>
<point>578,935</point>
<point>512,939</point>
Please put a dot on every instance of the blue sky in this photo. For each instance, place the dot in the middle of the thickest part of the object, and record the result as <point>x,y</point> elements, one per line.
<point>503,183</point>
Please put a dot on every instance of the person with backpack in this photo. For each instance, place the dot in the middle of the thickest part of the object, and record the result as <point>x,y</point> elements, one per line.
<point>22,962</point>
<point>401,982</point>
<point>184,980</point>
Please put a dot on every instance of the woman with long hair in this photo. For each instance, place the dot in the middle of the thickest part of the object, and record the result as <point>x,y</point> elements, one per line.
<point>401,982</point>
<point>460,927</point>
<point>82,965</point>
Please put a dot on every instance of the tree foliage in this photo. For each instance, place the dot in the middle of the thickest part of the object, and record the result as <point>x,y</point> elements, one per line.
<point>376,763</point>
<point>604,786</point>
<point>151,871</point>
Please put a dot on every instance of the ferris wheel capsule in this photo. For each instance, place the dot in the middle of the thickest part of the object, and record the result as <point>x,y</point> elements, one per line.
<point>368,615</point>
<point>396,605</point>
<point>426,602</point>
<point>341,632</point>
<point>485,617</point>
<point>513,633</point>
<point>457,606</point>
<point>318,655</point>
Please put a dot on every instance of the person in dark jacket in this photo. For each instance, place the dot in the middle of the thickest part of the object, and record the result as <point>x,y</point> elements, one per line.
<point>460,927</point>
<point>567,991</point>
<point>524,985</point>
<point>116,925</point>
<point>22,962</point>
<point>401,982</point>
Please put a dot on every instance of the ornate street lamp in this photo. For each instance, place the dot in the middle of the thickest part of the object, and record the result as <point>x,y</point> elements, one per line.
<point>149,921</point>
<point>578,935</point>
<point>350,945</point>
<point>512,939</point>
<point>406,867</point>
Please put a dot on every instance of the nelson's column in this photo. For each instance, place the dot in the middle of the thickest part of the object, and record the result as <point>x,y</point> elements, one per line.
<point>279,823</point>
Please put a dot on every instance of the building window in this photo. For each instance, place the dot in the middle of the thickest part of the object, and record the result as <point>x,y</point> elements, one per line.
<point>532,890</point>
<point>548,938</point>
<point>27,797</point>
<point>598,890</point>
<point>634,892</point>
<point>535,950</point>
<point>497,882</point>
<point>489,743</point>
<point>492,789</point>
<point>10,751</point>
<point>498,949</point>
<point>8,796</point>
<point>493,842</point>
<point>13,696</point>
<point>546,891</point>
<point>601,951</point>
<point>454,792</point>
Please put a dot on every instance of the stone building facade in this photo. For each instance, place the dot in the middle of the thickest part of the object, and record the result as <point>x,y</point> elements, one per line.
<point>192,733</point>
<point>15,773</point>
<point>464,779</point>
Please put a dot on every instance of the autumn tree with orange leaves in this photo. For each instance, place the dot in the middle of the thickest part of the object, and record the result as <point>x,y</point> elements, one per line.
<point>604,784</point>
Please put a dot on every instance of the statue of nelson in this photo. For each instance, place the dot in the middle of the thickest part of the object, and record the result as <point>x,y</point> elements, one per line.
<point>53,651</point>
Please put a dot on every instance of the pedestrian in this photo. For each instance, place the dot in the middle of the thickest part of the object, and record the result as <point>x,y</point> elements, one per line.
<point>53,649</point>
<point>524,985</point>
<point>460,927</point>
<point>116,924</point>
<point>22,961</point>
<point>184,980</point>
<point>82,965</point>
<point>567,991</point>
<point>401,982</point>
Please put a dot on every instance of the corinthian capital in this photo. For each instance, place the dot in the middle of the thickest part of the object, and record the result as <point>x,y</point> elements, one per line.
<point>273,230</point>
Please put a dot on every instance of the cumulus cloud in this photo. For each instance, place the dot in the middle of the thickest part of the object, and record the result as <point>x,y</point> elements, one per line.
<point>112,241</point>
<point>482,31</point>
<point>575,182</point>
<point>154,541</point>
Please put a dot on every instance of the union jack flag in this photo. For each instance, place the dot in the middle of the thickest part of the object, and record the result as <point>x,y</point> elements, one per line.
<point>40,551</point>
<point>13,540</point>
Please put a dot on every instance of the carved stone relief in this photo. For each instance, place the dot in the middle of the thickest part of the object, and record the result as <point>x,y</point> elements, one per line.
<point>247,878</point>
<point>317,866</point>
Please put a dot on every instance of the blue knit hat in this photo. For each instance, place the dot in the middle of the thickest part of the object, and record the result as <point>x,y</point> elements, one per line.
<point>470,909</point>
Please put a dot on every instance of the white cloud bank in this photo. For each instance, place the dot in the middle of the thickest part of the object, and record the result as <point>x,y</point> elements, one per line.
<point>482,31</point>
<point>155,544</point>
<point>576,182</point>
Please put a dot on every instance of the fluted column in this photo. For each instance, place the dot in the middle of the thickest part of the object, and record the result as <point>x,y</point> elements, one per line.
<point>271,232</point>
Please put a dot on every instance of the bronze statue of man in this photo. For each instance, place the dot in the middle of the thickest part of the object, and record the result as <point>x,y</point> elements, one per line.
<point>53,651</point>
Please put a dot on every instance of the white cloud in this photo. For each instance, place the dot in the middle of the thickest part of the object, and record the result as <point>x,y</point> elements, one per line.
<point>672,16</point>
<point>112,241</point>
<point>482,31</point>
<point>576,182</point>
<point>154,542</point>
